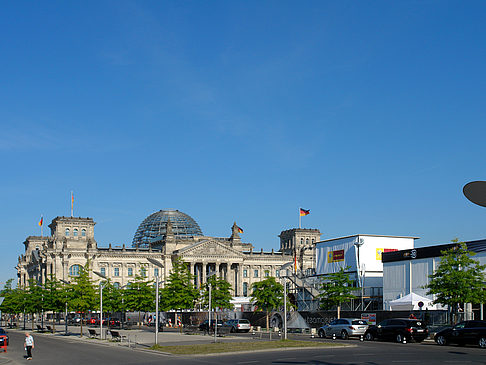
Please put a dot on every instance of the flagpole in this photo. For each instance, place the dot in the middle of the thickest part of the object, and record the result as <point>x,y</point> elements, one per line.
<point>300,220</point>
<point>42,225</point>
<point>72,203</point>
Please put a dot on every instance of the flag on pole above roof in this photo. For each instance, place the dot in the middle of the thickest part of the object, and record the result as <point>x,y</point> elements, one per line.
<point>304,212</point>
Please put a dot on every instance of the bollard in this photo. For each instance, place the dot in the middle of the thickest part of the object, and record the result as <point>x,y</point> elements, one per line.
<point>333,336</point>
<point>361,338</point>
<point>404,339</point>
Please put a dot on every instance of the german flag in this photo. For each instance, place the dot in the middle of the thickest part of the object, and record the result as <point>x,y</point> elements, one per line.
<point>41,221</point>
<point>304,212</point>
<point>240,230</point>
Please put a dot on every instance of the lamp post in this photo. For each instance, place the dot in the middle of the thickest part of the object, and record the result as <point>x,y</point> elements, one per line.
<point>66,314</point>
<point>158,264</point>
<point>359,272</point>
<point>284,267</point>
<point>101,301</point>
<point>211,273</point>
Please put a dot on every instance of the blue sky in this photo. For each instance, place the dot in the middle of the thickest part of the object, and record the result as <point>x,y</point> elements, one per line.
<point>370,114</point>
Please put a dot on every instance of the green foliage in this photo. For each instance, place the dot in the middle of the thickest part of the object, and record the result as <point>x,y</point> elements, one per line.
<point>112,298</point>
<point>14,299</point>
<point>34,297</point>
<point>54,296</point>
<point>267,294</point>
<point>140,294</point>
<point>458,278</point>
<point>220,293</point>
<point>336,289</point>
<point>179,291</point>
<point>82,293</point>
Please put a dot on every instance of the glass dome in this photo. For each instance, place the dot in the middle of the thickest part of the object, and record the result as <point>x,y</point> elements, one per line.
<point>155,226</point>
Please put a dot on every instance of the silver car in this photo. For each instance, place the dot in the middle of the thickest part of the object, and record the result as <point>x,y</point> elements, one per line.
<point>344,328</point>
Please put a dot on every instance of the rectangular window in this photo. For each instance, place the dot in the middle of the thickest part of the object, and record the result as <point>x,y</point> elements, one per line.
<point>156,271</point>
<point>117,271</point>
<point>143,272</point>
<point>267,273</point>
<point>130,271</point>
<point>255,273</point>
<point>277,273</point>
<point>103,271</point>
<point>245,273</point>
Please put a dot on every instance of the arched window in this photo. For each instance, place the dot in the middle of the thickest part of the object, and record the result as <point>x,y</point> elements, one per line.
<point>83,233</point>
<point>245,289</point>
<point>67,231</point>
<point>306,241</point>
<point>313,240</point>
<point>74,270</point>
<point>116,285</point>
<point>301,241</point>
<point>75,232</point>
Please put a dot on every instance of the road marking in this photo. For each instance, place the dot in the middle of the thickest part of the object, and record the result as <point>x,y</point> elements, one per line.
<point>247,362</point>
<point>406,361</point>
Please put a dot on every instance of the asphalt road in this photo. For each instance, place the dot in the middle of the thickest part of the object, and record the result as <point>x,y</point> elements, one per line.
<point>71,351</point>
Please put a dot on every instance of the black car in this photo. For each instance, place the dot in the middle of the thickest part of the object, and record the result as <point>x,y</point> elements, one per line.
<point>467,332</point>
<point>3,333</point>
<point>204,326</point>
<point>399,330</point>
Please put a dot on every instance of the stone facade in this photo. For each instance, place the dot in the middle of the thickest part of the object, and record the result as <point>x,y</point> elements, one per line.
<point>72,243</point>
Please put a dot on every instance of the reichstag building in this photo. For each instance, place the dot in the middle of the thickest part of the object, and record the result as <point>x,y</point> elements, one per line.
<point>164,236</point>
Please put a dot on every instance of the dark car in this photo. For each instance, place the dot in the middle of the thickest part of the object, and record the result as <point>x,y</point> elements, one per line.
<point>112,322</point>
<point>204,326</point>
<point>399,330</point>
<point>3,333</point>
<point>467,332</point>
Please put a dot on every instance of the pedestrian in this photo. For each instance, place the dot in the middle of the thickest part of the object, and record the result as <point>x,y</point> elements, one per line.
<point>29,345</point>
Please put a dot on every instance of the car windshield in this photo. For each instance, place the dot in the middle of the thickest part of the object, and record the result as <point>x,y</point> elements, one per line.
<point>359,322</point>
<point>245,321</point>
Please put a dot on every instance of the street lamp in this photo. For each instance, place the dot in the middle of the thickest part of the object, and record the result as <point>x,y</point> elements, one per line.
<point>66,315</point>
<point>360,274</point>
<point>208,276</point>
<point>158,264</point>
<point>285,267</point>
<point>101,301</point>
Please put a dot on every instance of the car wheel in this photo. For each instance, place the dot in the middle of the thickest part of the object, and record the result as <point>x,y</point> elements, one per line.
<point>441,340</point>
<point>369,336</point>
<point>399,338</point>
<point>482,342</point>
<point>344,335</point>
<point>321,334</point>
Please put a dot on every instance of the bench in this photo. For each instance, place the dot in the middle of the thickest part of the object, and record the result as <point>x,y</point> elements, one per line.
<point>92,333</point>
<point>224,330</point>
<point>40,329</point>
<point>50,329</point>
<point>116,336</point>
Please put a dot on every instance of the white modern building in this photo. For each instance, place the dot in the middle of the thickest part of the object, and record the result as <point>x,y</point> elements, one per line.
<point>360,255</point>
<point>407,271</point>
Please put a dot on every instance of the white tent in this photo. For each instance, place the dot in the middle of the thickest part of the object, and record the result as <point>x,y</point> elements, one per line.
<point>410,302</point>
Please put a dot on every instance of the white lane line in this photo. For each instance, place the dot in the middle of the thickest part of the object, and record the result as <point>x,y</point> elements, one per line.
<point>247,362</point>
<point>405,361</point>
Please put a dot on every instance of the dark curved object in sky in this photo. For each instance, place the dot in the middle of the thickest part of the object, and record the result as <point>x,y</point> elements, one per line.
<point>475,191</point>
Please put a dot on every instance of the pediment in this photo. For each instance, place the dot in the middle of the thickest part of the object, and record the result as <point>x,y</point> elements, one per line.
<point>209,249</point>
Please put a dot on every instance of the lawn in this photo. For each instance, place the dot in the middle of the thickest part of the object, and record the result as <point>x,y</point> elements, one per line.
<point>219,347</point>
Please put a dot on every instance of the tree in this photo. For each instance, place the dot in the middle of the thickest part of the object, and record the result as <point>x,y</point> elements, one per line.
<point>140,295</point>
<point>179,291</point>
<point>336,289</point>
<point>82,293</point>
<point>13,302</point>
<point>458,279</point>
<point>267,295</point>
<point>220,293</point>
<point>53,297</point>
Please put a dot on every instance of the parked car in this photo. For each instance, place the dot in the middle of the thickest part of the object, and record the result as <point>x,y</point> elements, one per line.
<point>398,329</point>
<point>204,326</point>
<point>3,333</point>
<point>93,321</point>
<point>344,328</point>
<point>238,325</point>
<point>466,332</point>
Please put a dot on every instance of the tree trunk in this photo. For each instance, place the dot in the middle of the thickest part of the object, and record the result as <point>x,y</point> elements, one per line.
<point>81,326</point>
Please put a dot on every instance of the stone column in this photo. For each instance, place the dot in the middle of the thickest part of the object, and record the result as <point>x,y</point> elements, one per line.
<point>240,278</point>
